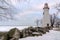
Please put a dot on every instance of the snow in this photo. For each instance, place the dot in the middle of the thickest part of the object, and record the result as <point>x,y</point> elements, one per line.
<point>52,35</point>
<point>7,28</point>
<point>35,33</point>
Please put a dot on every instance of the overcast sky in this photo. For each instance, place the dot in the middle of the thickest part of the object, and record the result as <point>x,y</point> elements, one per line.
<point>27,11</point>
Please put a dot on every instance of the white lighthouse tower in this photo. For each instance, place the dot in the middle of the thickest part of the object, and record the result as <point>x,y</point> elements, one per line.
<point>46,16</point>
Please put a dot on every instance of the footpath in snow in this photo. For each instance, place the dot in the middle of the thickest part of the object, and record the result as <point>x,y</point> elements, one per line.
<point>52,35</point>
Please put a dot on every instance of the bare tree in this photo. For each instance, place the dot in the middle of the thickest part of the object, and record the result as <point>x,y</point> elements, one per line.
<point>8,10</point>
<point>52,19</point>
<point>54,16</point>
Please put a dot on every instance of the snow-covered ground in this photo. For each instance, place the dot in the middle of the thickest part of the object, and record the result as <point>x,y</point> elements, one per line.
<point>52,35</point>
<point>7,28</point>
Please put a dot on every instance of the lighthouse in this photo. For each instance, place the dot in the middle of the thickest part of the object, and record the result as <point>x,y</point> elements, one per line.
<point>46,16</point>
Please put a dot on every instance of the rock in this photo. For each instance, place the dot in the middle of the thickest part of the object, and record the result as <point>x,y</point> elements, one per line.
<point>39,29</point>
<point>36,34</point>
<point>14,33</point>
<point>3,36</point>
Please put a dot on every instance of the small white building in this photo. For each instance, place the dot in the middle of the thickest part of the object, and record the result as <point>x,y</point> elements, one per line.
<point>46,16</point>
